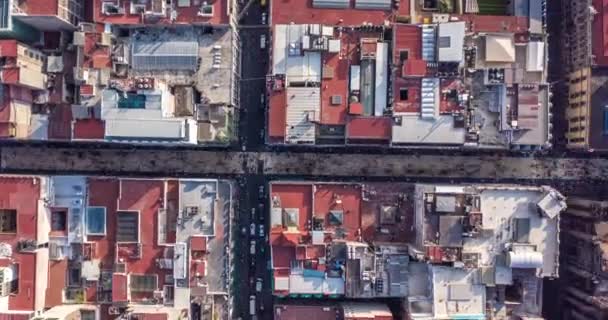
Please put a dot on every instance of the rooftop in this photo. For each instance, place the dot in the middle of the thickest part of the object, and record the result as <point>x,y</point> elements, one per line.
<point>121,238</point>
<point>174,97</point>
<point>599,27</point>
<point>436,245</point>
<point>298,12</point>
<point>308,240</point>
<point>157,12</point>
<point>507,235</point>
<point>333,311</point>
<point>435,67</point>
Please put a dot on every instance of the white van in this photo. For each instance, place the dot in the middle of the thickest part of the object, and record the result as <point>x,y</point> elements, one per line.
<point>252,305</point>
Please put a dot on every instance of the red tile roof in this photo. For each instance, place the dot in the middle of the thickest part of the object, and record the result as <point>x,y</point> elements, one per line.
<point>282,256</point>
<point>60,122</point>
<point>413,86</point>
<point>119,287</point>
<point>339,197</point>
<point>414,68</point>
<point>8,48</point>
<point>315,252</point>
<point>337,85</point>
<point>14,316</point>
<point>301,11</point>
<point>144,196</point>
<point>86,90</point>
<point>356,108</point>
<point>286,239</point>
<point>57,276</point>
<point>95,55</point>
<point>89,129</point>
<point>306,312</point>
<point>600,31</point>
<point>41,7</point>
<point>486,23</point>
<point>101,62</point>
<point>10,75</point>
<point>277,112</point>
<point>295,196</point>
<point>150,316</point>
<point>377,128</point>
<point>198,244</point>
<point>104,193</point>
<point>22,194</point>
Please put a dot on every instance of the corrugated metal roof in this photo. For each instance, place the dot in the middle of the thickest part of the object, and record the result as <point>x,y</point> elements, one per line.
<point>335,4</point>
<point>5,14</point>
<point>145,129</point>
<point>16,316</point>
<point>287,58</point>
<point>536,16</point>
<point>429,96</point>
<point>381,92</point>
<point>535,60</point>
<point>374,4</point>
<point>303,107</point>
<point>164,55</point>
<point>429,41</point>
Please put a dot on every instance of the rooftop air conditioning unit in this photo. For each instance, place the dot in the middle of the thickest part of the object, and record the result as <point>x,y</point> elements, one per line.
<point>191,211</point>
<point>55,251</point>
<point>336,100</point>
<point>164,263</point>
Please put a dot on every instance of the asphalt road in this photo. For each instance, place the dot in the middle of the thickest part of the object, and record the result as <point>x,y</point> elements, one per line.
<point>254,67</point>
<point>253,268</point>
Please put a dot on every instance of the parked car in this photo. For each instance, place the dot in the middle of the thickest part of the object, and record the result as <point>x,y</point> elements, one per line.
<point>263,41</point>
<point>258,285</point>
<point>252,248</point>
<point>261,231</point>
<point>261,209</point>
<point>264,18</point>
<point>252,214</point>
<point>252,229</point>
<point>261,193</point>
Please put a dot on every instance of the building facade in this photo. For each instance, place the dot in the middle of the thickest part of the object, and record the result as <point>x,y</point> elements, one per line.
<point>584,256</point>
